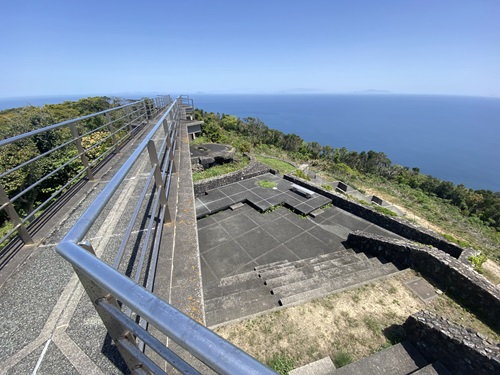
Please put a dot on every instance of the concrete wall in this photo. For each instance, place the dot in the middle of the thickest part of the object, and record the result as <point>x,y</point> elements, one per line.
<point>461,350</point>
<point>393,224</point>
<point>451,275</point>
<point>254,168</point>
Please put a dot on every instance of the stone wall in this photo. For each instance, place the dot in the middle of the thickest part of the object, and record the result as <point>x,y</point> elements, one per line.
<point>254,168</point>
<point>393,224</point>
<point>461,350</point>
<point>460,281</point>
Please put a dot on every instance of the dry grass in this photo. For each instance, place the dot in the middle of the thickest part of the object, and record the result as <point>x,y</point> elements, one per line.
<point>358,322</point>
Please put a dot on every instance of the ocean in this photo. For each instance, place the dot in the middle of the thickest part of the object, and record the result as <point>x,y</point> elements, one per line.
<point>449,137</point>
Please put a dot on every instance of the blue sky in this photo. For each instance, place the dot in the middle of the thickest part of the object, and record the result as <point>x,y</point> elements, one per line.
<point>109,47</point>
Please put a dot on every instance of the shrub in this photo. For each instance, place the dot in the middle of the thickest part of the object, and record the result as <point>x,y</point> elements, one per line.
<point>301,174</point>
<point>327,187</point>
<point>478,261</point>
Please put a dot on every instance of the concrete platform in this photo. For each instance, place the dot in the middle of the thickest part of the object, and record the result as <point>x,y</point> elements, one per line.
<point>235,242</point>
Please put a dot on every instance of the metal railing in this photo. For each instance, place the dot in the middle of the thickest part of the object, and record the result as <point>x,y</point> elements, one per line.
<point>77,146</point>
<point>126,304</point>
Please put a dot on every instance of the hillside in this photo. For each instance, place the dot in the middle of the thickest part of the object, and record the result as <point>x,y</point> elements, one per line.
<point>465,216</point>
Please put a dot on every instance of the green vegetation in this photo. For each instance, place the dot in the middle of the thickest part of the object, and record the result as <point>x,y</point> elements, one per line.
<point>472,216</point>
<point>267,184</point>
<point>478,261</point>
<point>342,358</point>
<point>21,120</point>
<point>281,363</point>
<point>327,187</point>
<point>450,238</point>
<point>301,174</point>
<point>222,169</point>
<point>281,166</point>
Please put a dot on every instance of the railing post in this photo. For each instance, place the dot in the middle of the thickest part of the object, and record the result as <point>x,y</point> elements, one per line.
<point>111,129</point>
<point>145,109</point>
<point>166,129</point>
<point>81,151</point>
<point>153,156</point>
<point>14,217</point>
<point>129,117</point>
<point>116,330</point>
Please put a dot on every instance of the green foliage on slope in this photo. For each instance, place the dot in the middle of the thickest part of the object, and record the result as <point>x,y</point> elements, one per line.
<point>472,215</point>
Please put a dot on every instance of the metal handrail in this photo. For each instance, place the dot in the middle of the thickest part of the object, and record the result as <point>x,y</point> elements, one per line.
<point>105,285</point>
<point>129,115</point>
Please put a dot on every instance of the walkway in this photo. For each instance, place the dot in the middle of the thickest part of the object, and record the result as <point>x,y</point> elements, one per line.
<point>49,325</point>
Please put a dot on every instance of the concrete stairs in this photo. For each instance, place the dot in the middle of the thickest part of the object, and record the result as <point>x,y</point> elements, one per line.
<point>287,283</point>
<point>399,359</point>
<point>306,279</point>
<point>236,297</point>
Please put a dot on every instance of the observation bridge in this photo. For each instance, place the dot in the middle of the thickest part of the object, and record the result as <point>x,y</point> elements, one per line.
<point>100,236</point>
<point>105,274</point>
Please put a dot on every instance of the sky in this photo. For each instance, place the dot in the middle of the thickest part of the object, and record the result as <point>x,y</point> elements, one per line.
<point>109,47</point>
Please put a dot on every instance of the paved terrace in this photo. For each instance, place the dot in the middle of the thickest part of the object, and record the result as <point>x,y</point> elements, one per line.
<point>276,247</point>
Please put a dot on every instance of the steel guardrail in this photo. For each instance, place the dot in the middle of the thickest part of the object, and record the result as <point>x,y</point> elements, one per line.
<point>118,125</point>
<point>125,306</point>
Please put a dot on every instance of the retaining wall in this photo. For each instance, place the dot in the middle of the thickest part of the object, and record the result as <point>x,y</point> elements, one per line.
<point>393,224</point>
<point>254,168</point>
<point>461,350</point>
<point>451,275</point>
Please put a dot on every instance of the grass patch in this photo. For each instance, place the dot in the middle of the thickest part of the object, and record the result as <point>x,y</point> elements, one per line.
<point>222,169</point>
<point>342,358</point>
<point>301,174</point>
<point>281,363</point>
<point>327,187</point>
<point>357,322</point>
<point>281,166</point>
<point>384,210</point>
<point>267,184</point>
<point>450,238</point>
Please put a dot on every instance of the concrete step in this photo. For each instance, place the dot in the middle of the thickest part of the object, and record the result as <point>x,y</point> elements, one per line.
<point>240,310</point>
<point>343,280</point>
<point>304,296</point>
<point>356,278</point>
<point>277,264</point>
<point>323,366</point>
<point>399,359</point>
<point>237,279</point>
<point>333,273</point>
<point>220,291</point>
<point>435,368</point>
<point>362,256</point>
<point>231,300</point>
<point>295,288</point>
<point>321,258</point>
<point>286,279</point>
<point>330,264</point>
<point>276,272</point>
<point>375,262</point>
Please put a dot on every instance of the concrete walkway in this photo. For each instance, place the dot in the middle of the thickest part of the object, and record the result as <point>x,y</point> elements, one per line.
<point>49,325</point>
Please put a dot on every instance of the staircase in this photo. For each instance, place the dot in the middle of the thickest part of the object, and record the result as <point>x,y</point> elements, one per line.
<point>286,283</point>
<point>399,359</point>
